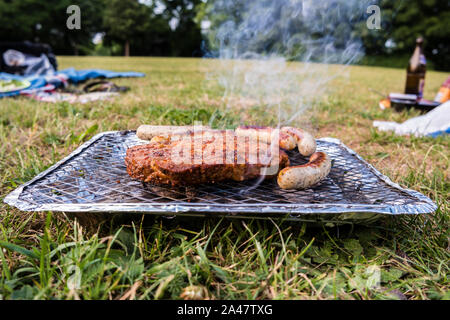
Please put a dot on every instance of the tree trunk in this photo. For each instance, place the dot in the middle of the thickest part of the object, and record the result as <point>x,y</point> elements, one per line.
<point>74,46</point>
<point>127,48</point>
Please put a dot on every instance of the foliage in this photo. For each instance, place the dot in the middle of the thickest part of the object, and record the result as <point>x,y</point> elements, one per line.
<point>45,21</point>
<point>403,22</point>
<point>172,27</point>
<point>125,20</point>
<point>293,31</point>
<point>186,37</point>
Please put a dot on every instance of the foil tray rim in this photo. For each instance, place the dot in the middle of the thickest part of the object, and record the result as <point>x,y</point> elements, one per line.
<point>425,204</point>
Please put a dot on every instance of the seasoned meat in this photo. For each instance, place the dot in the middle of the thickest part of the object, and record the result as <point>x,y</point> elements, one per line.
<point>204,158</point>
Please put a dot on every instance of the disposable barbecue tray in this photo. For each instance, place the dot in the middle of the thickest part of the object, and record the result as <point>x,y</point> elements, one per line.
<point>93,179</point>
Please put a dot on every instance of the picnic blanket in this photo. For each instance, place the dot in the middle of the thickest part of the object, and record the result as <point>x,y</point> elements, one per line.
<point>77,76</point>
<point>60,79</point>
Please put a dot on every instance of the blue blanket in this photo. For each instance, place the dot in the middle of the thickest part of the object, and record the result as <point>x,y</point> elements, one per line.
<point>72,75</point>
<point>76,76</point>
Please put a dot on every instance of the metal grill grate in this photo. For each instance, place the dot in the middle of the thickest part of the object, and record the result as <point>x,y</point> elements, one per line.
<point>94,178</point>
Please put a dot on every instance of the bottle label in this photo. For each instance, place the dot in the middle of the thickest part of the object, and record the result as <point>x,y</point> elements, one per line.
<point>423,60</point>
<point>421,86</point>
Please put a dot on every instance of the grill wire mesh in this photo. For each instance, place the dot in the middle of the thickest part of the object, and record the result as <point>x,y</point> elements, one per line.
<point>94,178</point>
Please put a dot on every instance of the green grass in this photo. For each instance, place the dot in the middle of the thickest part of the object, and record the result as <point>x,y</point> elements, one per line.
<point>49,256</point>
<point>391,61</point>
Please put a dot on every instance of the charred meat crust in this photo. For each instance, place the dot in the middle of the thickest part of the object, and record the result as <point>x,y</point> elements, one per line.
<point>154,162</point>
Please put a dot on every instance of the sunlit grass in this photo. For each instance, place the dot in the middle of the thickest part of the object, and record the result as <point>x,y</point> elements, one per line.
<point>49,256</point>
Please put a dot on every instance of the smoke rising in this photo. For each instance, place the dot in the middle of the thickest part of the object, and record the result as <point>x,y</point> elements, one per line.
<point>259,42</point>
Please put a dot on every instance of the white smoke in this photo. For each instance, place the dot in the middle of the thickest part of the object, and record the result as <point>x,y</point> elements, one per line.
<point>276,55</point>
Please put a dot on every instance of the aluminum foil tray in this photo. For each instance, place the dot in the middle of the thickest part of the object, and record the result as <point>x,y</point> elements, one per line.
<point>94,179</point>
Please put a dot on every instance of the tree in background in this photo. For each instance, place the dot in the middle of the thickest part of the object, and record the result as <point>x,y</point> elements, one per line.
<point>162,27</point>
<point>430,19</point>
<point>15,25</point>
<point>125,20</point>
<point>172,27</point>
<point>318,31</point>
<point>45,21</point>
<point>402,22</point>
<point>185,35</point>
<point>135,25</point>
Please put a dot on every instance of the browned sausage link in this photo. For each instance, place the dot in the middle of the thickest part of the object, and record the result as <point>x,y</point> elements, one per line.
<point>305,141</point>
<point>147,132</point>
<point>265,134</point>
<point>306,175</point>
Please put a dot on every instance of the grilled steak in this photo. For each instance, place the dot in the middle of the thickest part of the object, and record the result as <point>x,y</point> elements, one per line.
<point>204,158</point>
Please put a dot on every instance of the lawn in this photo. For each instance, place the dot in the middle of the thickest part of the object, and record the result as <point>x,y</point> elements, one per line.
<point>49,256</point>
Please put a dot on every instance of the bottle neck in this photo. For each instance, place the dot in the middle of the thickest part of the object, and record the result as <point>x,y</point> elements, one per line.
<point>417,58</point>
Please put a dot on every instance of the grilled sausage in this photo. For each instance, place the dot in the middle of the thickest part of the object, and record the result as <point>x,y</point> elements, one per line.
<point>266,134</point>
<point>305,141</point>
<point>306,175</point>
<point>147,132</point>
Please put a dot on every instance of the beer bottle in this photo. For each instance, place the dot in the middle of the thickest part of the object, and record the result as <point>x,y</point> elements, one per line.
<point>415,75</point>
